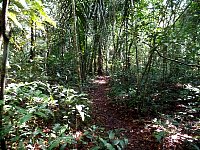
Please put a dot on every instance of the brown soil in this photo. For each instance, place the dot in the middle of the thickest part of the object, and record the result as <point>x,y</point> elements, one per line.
<point>112,117</point>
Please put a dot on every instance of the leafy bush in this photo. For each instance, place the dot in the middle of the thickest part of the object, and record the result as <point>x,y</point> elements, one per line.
<point>32,112</point>
<point>98,139</point>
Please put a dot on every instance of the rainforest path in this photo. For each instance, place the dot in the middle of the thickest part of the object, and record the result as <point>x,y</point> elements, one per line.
<point>110,117</point>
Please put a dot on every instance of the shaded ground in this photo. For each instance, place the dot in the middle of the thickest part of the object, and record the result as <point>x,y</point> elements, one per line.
<point>112,117</point>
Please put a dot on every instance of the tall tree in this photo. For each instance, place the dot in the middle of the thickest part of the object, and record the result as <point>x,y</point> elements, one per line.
<point>6,36</point>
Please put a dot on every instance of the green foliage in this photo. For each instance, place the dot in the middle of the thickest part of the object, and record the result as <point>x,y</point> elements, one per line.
<point>110,140</point>
<point>25,8</point>
<point>172,127</point>
<point>38,113</point>
<point>61,69</point>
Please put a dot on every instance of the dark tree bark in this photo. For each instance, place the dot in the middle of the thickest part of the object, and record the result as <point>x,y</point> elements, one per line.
<point>3,67</point>
<point>100,62</point>
<point>32,51</point>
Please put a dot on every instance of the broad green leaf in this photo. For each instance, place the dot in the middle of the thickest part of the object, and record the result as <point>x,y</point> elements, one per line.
<point>122,144</point>
<point>96,148</point>
<point>116,142</point>
<point>103,141</point>
<point>38,131</point>
<point>111,135</point>
<point>13,17</point>
<point>159,135</point>
<point>63,129</point>
<point>126,141</point>
<point>54,144</point>
<point>20,110</point>
<point>63,147</point>
<point>119,148</point>
<point>56,127</point>
<point>41,114</point>
<point>68,139</point>
<point>109,146</point>
<point>1,102</point>
<point>25,118</point>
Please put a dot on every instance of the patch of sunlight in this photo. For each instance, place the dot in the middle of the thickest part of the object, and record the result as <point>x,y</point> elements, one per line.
<point>99,81</point>
<point>192,88</point>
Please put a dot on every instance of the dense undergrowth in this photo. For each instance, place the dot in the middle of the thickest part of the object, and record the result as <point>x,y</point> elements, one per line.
<point>40,115</point>
<point>172,108</point>
<point>48,112</point>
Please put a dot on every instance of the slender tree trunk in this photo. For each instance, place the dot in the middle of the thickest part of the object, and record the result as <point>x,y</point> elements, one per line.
<point>1,39</point>
<point>137,67</point>
<point>91,60</point>
<point>96,46</point>
<point>1,30</point>
<point>95,62</point>
<point>3,68</point>
<point>32,51</point>
<point>100,61</point>
<point>164,72</point>
<point>75,44</point>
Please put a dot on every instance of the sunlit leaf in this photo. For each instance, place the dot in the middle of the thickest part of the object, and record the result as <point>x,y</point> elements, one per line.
<point>23,3</point>
<point>103,141</point>
<point>40,26</point>
<point>50,21</point>
<point>109,146</point>
<point>63,129</point>
<point>116,142</point>
<point>13,17</point>
<point>118,147</point>
<point>80,110</point>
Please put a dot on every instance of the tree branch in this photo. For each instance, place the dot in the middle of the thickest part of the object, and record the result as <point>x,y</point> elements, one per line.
<point>176,61</point>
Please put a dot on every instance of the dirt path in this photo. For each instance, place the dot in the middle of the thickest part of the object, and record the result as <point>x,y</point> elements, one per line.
<point>112,117</point>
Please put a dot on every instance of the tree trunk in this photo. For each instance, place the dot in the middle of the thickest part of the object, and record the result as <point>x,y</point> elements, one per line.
<point>75,46</point>
<point>32,51</point>
<point>3,67</point>
<point>100,62</point>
